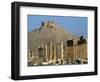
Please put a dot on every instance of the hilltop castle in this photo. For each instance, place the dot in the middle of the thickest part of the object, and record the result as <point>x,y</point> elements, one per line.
<point>48,24</point>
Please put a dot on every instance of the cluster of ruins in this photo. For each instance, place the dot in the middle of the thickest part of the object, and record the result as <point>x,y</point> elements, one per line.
<point>69,52</point>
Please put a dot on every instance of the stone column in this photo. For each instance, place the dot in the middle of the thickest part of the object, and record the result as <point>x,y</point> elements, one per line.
<point>29,54</point>
<point>46,53</point>
<point>54,52</point>
<point>84,50</point>
<point>76,52</point>
<point>62,55</point>
<point>50,51</point>
<point>74,46</point>
<point>66,55</point>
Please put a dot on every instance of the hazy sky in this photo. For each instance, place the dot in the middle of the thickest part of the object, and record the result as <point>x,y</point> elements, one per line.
<point>75,25</point>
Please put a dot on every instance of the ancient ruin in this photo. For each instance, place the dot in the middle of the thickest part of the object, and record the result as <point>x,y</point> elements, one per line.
<point>51,45</point>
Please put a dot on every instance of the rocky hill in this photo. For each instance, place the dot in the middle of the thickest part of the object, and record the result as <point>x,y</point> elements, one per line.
<point>48,32</point>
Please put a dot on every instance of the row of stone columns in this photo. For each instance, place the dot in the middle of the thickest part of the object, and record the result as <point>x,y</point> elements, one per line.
<point>53,52</point>
<point>78,51</point>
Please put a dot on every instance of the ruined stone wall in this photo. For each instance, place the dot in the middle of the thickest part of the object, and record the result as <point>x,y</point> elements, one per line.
<point>82,51</point>
<point>60,51</point>
<point>76,52</point>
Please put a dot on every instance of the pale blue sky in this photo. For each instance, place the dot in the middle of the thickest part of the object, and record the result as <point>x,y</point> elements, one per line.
<point>76,25</point>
